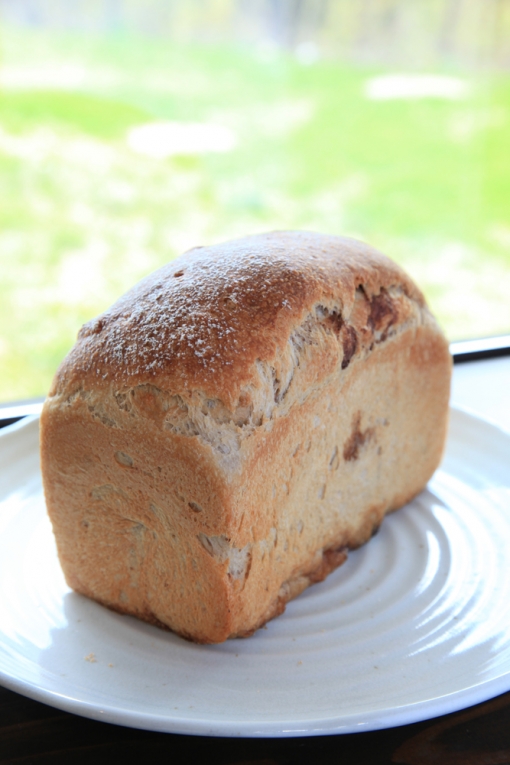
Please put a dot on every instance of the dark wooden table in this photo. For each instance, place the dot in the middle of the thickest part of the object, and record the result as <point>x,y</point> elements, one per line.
<point>35,734</point>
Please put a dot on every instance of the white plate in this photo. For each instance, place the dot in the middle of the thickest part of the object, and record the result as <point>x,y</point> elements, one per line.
<point>415,624</point>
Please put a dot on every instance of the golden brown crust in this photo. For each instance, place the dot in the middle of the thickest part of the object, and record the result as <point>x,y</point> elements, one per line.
<point>201,322</point>
<point>219,438</point>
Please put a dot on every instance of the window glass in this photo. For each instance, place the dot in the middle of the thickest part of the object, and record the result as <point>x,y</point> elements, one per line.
<point>130,132</point>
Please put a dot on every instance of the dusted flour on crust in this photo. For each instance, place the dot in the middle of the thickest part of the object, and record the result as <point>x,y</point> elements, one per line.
<point>218,439</point>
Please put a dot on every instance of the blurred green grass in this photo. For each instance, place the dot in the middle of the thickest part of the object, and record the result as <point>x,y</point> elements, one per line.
<point>82,216</point>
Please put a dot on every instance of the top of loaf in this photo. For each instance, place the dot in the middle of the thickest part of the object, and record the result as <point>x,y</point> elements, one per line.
<point>204,321</point>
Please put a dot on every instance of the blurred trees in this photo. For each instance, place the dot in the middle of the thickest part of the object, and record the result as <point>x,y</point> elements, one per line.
<point>416,33</point>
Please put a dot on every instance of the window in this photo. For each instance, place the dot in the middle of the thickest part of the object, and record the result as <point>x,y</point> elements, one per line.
<point>131,131</point>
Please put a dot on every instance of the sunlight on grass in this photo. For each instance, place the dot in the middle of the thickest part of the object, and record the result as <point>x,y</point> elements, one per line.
<point>117,156</point>
<point>167,139</point>
<point>415,86</point>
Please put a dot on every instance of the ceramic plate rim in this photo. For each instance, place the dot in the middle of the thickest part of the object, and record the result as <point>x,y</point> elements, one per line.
<point>367,721</point>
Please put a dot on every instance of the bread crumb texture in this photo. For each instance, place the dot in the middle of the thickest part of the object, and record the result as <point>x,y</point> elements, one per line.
<point>218,439</point>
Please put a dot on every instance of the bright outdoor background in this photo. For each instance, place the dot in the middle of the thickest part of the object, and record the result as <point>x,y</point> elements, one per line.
<point>131,131</point>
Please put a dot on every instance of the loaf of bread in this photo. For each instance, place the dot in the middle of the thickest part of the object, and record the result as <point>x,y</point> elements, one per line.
<point>231,427</point>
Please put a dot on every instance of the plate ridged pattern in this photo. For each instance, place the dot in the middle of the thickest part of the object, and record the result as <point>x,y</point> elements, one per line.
<point>414,624</point>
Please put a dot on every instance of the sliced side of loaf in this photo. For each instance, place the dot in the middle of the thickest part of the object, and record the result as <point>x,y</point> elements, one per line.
<point>219,438</point>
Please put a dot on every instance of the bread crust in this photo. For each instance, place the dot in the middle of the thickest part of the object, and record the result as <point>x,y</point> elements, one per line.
<point>202,321</point>
<point>218,439</point>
